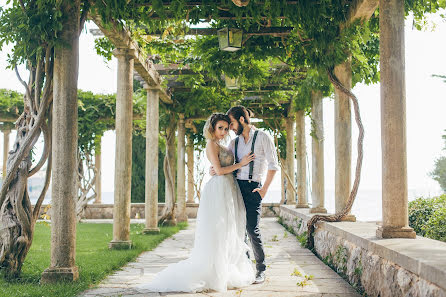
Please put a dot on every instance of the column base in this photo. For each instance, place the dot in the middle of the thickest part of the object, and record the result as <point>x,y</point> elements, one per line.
<point>349,218</point>
<point>59,274</point>
<point>318,210</point>
<point>151,230</point>
<point>302,205</point>
<point>395,232</point>
<point>182,218</point>
<point>120,245</point>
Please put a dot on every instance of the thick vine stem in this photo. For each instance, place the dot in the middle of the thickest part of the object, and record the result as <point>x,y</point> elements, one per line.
<point>46,150</point>
<point>338,216</point>
<point>29,140</point>
<point>39,202</point>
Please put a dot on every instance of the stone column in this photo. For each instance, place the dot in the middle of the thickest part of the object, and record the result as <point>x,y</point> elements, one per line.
<point>317,159</point>
<point>64,151</point>
<point>152,134</point>
<point>301,150</point>
<point>283,183</point>
<point>98,183</point>
<point>181,174</point>
<point>5,150</point>
<point>343,140</point>
<point>290,194</point>
<point>393,122</point>
<point>123,158</point>
<point>190,170</point>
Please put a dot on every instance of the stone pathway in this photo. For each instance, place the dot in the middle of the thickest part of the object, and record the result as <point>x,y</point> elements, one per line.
<point>284,256</point>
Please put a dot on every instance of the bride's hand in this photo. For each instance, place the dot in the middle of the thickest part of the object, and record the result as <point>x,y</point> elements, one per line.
<point>247,159</point>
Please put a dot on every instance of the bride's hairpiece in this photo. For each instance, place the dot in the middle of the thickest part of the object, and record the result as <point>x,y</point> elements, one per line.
<point>209,126</point>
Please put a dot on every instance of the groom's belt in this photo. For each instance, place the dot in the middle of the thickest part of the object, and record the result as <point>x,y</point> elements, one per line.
<point>255,183</point>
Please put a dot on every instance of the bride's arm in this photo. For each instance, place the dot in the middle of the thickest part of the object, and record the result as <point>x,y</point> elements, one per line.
<point>212,150</point>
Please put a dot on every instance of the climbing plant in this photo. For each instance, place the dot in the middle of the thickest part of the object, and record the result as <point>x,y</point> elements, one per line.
<point>36,29</point>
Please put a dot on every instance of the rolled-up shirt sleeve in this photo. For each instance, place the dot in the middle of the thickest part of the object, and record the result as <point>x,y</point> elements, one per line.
<point>270,153</point>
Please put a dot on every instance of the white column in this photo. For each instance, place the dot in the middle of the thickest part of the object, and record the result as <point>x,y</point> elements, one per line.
<point>64,150</point>
<point>283,183</point>
<point>181,176</point>
<point>301,150</point>
<point>317,160</point>
<point>152,134</point>
<point>343,140</point>
<point>290,194</point>
<point>123,159</point>
<point>98,184</point>
<point>190,170</point>
<point>393,121</point>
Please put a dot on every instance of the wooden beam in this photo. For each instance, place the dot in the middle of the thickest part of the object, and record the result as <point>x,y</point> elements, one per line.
<point>121,38</point>
<point>173,69</point>
<point>272,31</point>
<point>268,31</point>
<point>200,3</point>
<point>222,15</point>
<point>361,9</point>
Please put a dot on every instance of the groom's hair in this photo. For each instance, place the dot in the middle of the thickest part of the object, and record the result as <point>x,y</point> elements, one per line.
<point>240,111</point>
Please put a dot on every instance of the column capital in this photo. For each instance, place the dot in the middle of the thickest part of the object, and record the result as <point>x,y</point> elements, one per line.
<point>146,86</point>
<point>130,52</point>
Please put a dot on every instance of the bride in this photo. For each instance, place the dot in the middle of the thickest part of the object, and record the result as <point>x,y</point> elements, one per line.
<point>218,260</point>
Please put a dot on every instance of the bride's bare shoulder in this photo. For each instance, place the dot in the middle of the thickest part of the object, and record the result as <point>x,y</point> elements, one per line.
<point>211,146</point>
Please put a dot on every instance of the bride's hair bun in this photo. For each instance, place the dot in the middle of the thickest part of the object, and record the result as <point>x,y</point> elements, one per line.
<point>209,126</point>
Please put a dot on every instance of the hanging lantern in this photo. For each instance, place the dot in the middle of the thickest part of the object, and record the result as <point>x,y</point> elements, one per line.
<point>232,83</point>
<point>230,39</point>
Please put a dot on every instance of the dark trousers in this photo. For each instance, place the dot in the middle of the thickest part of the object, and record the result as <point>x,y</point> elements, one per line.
<point>253,205</point>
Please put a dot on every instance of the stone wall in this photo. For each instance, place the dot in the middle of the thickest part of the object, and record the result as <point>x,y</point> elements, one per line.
<point>105,211</point>
<point>376,267</point>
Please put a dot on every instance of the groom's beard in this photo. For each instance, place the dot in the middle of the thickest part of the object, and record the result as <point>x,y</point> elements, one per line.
<point>239,128</point>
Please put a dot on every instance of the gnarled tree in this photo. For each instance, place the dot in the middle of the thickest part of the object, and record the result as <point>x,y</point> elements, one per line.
<point>16,215</point>
<point>32,27</point>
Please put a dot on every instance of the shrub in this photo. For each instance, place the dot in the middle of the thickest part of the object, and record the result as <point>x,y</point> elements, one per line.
<point>436,226</point>
<point>425,216</point>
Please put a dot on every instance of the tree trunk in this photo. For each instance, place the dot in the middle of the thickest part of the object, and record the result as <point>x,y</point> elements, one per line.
<point>17,217</point>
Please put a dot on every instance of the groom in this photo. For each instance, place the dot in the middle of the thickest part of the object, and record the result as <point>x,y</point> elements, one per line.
<point>250,176</point>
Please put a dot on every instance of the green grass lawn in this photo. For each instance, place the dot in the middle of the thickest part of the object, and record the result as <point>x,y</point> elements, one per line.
<point>93,258</point>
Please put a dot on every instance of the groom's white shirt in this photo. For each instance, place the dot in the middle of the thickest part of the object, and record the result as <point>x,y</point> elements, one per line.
<point>265,155</point>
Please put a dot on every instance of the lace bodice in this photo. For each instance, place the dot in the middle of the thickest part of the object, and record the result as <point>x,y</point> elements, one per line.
<point>225,156</point>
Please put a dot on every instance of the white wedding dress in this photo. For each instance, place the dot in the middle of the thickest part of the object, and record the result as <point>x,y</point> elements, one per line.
<point>218,260</point>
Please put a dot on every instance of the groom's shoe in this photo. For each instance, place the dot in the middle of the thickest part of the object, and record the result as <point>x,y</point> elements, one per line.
<point>260,277</point>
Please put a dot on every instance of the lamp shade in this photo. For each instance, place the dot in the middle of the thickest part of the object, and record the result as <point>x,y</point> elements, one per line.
<point>230,39</point>
<point>232,83</point>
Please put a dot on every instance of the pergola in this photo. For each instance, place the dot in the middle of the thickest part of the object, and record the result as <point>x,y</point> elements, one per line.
<point>130,59</point>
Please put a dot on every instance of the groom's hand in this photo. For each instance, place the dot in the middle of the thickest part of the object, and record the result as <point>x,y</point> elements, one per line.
<point>212,171</point>
<point>262,191</point>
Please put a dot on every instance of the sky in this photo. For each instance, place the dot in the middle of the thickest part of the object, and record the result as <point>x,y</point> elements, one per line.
<point>425,97</point>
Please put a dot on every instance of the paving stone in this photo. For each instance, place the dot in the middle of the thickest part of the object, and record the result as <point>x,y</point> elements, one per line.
<point>283,256</point>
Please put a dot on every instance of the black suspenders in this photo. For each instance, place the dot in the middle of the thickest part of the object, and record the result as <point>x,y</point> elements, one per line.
<point>251,164</point>
<point>235,154</point>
